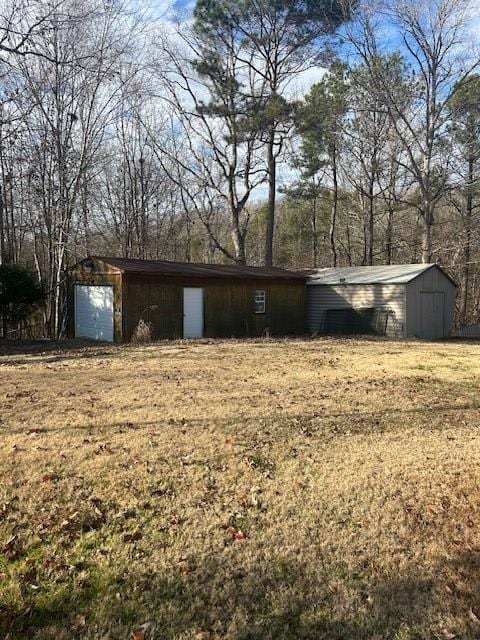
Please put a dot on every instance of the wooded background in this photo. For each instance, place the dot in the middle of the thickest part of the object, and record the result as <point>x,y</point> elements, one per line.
<point>197,134</point>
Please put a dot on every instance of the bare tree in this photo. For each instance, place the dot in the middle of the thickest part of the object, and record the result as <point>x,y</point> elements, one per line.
<point>215,145</point>
<point>433,36</point>
<point>68,106</point>
<point>24,24</point>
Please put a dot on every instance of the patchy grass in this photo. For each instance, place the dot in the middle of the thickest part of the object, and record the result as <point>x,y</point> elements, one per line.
<point>242,490</point>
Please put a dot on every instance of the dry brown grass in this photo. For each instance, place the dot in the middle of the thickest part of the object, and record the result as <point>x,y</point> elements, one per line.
<point>241,490</point>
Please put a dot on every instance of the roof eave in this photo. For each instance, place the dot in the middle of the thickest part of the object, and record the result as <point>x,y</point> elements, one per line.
<point>77,264</point>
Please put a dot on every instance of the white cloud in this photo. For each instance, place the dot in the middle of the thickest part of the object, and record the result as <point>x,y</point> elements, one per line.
<point>304,81</point>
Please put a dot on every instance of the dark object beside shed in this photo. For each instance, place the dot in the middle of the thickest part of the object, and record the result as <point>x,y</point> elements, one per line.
<point>356,321</point>
<point>107,297</point>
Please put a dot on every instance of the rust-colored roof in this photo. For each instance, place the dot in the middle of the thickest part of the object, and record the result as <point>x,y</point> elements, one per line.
<point>165,268</point>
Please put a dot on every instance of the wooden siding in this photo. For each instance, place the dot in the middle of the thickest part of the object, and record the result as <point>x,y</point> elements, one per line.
<point>142,292</point>
<point>323,297</point>
<point>228,306</point>
<point>100,274</point>
<point>432,280</point>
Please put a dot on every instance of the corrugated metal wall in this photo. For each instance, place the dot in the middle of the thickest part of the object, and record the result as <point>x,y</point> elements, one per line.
<point>418,321</point>
<point>323,297</point>
<point>470,331</point>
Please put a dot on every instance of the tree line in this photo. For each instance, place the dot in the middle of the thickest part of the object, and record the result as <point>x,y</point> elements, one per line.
<point>201,137</point>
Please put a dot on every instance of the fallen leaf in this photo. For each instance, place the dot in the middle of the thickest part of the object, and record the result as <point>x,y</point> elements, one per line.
<point>70,521</point>
<point>236,534</point>
<point>187,570</point>
<point>103,448</point>
<point>132,536</point>
<point>79,621</point>
<point>51,476</point>
<point>448,635</point>
<point>141,632</point>
<point>10,544</point>
<point>473,616</point>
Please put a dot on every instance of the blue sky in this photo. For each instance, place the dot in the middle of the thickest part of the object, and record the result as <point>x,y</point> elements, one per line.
<point>169,8</point>
<point>176,10</point>
<point>181,5</point>
<point>171,11</point>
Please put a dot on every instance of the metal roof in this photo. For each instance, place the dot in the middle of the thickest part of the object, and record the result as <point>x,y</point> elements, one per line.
<point>381,274</point>
<point>165,268</point>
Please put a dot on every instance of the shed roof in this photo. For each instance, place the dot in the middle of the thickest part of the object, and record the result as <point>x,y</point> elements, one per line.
<point>166,268</point>
<point>381,274</point>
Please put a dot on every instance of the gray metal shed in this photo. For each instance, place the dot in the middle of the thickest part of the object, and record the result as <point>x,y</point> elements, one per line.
<point>408,300</point>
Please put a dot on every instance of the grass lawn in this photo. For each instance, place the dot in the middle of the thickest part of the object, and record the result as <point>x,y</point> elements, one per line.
<point>324,489</point>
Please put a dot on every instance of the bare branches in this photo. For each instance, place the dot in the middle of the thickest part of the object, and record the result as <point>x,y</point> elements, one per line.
<point>213,119</point>
<point>431,35</point>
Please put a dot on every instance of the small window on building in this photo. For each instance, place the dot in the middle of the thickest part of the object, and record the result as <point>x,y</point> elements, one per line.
<point>259,301</point>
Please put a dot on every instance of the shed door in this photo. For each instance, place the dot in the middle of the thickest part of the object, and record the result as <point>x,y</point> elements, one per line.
<point>94,312</point>
<point>192,312</point>
<point>432,309</point>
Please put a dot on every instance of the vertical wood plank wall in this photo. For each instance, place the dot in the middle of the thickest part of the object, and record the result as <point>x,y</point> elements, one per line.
<point>228,306</point>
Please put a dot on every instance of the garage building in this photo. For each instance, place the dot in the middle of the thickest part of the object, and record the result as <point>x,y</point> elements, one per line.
<point>409,300</point>
<point>107,297</point>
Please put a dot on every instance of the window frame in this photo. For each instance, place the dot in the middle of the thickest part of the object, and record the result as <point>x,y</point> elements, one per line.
<point>262,300</point>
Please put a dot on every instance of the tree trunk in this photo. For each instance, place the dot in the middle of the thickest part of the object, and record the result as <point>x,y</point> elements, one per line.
<point>349,241</point>
<point>389,238</point>
<point>334,210</point>
<point>188,248</point>
<point>314,234</point>
<point>272,188</point>
<point>370,222</point>
<point>427,219</point>
<point>239,244</point>
<point>2,230</point>
<point>467,223</point>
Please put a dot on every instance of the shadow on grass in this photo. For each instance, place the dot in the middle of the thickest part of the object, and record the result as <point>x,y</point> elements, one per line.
<point>239,593</point>
<point>20,352</point>
<point>49,351</point>
<point>305,423</point>
<point>224,597</point>
<point>284,601</point>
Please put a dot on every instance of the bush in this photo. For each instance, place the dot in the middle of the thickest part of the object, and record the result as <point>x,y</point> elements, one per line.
<point>142,333</point>
<point>20,294</point>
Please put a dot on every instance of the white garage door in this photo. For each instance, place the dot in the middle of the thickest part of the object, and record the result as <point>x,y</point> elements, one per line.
<point>94,312</point>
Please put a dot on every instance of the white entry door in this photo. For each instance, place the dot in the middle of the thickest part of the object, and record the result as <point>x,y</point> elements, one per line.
<point>94,312</point>
<point>192,312</point>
